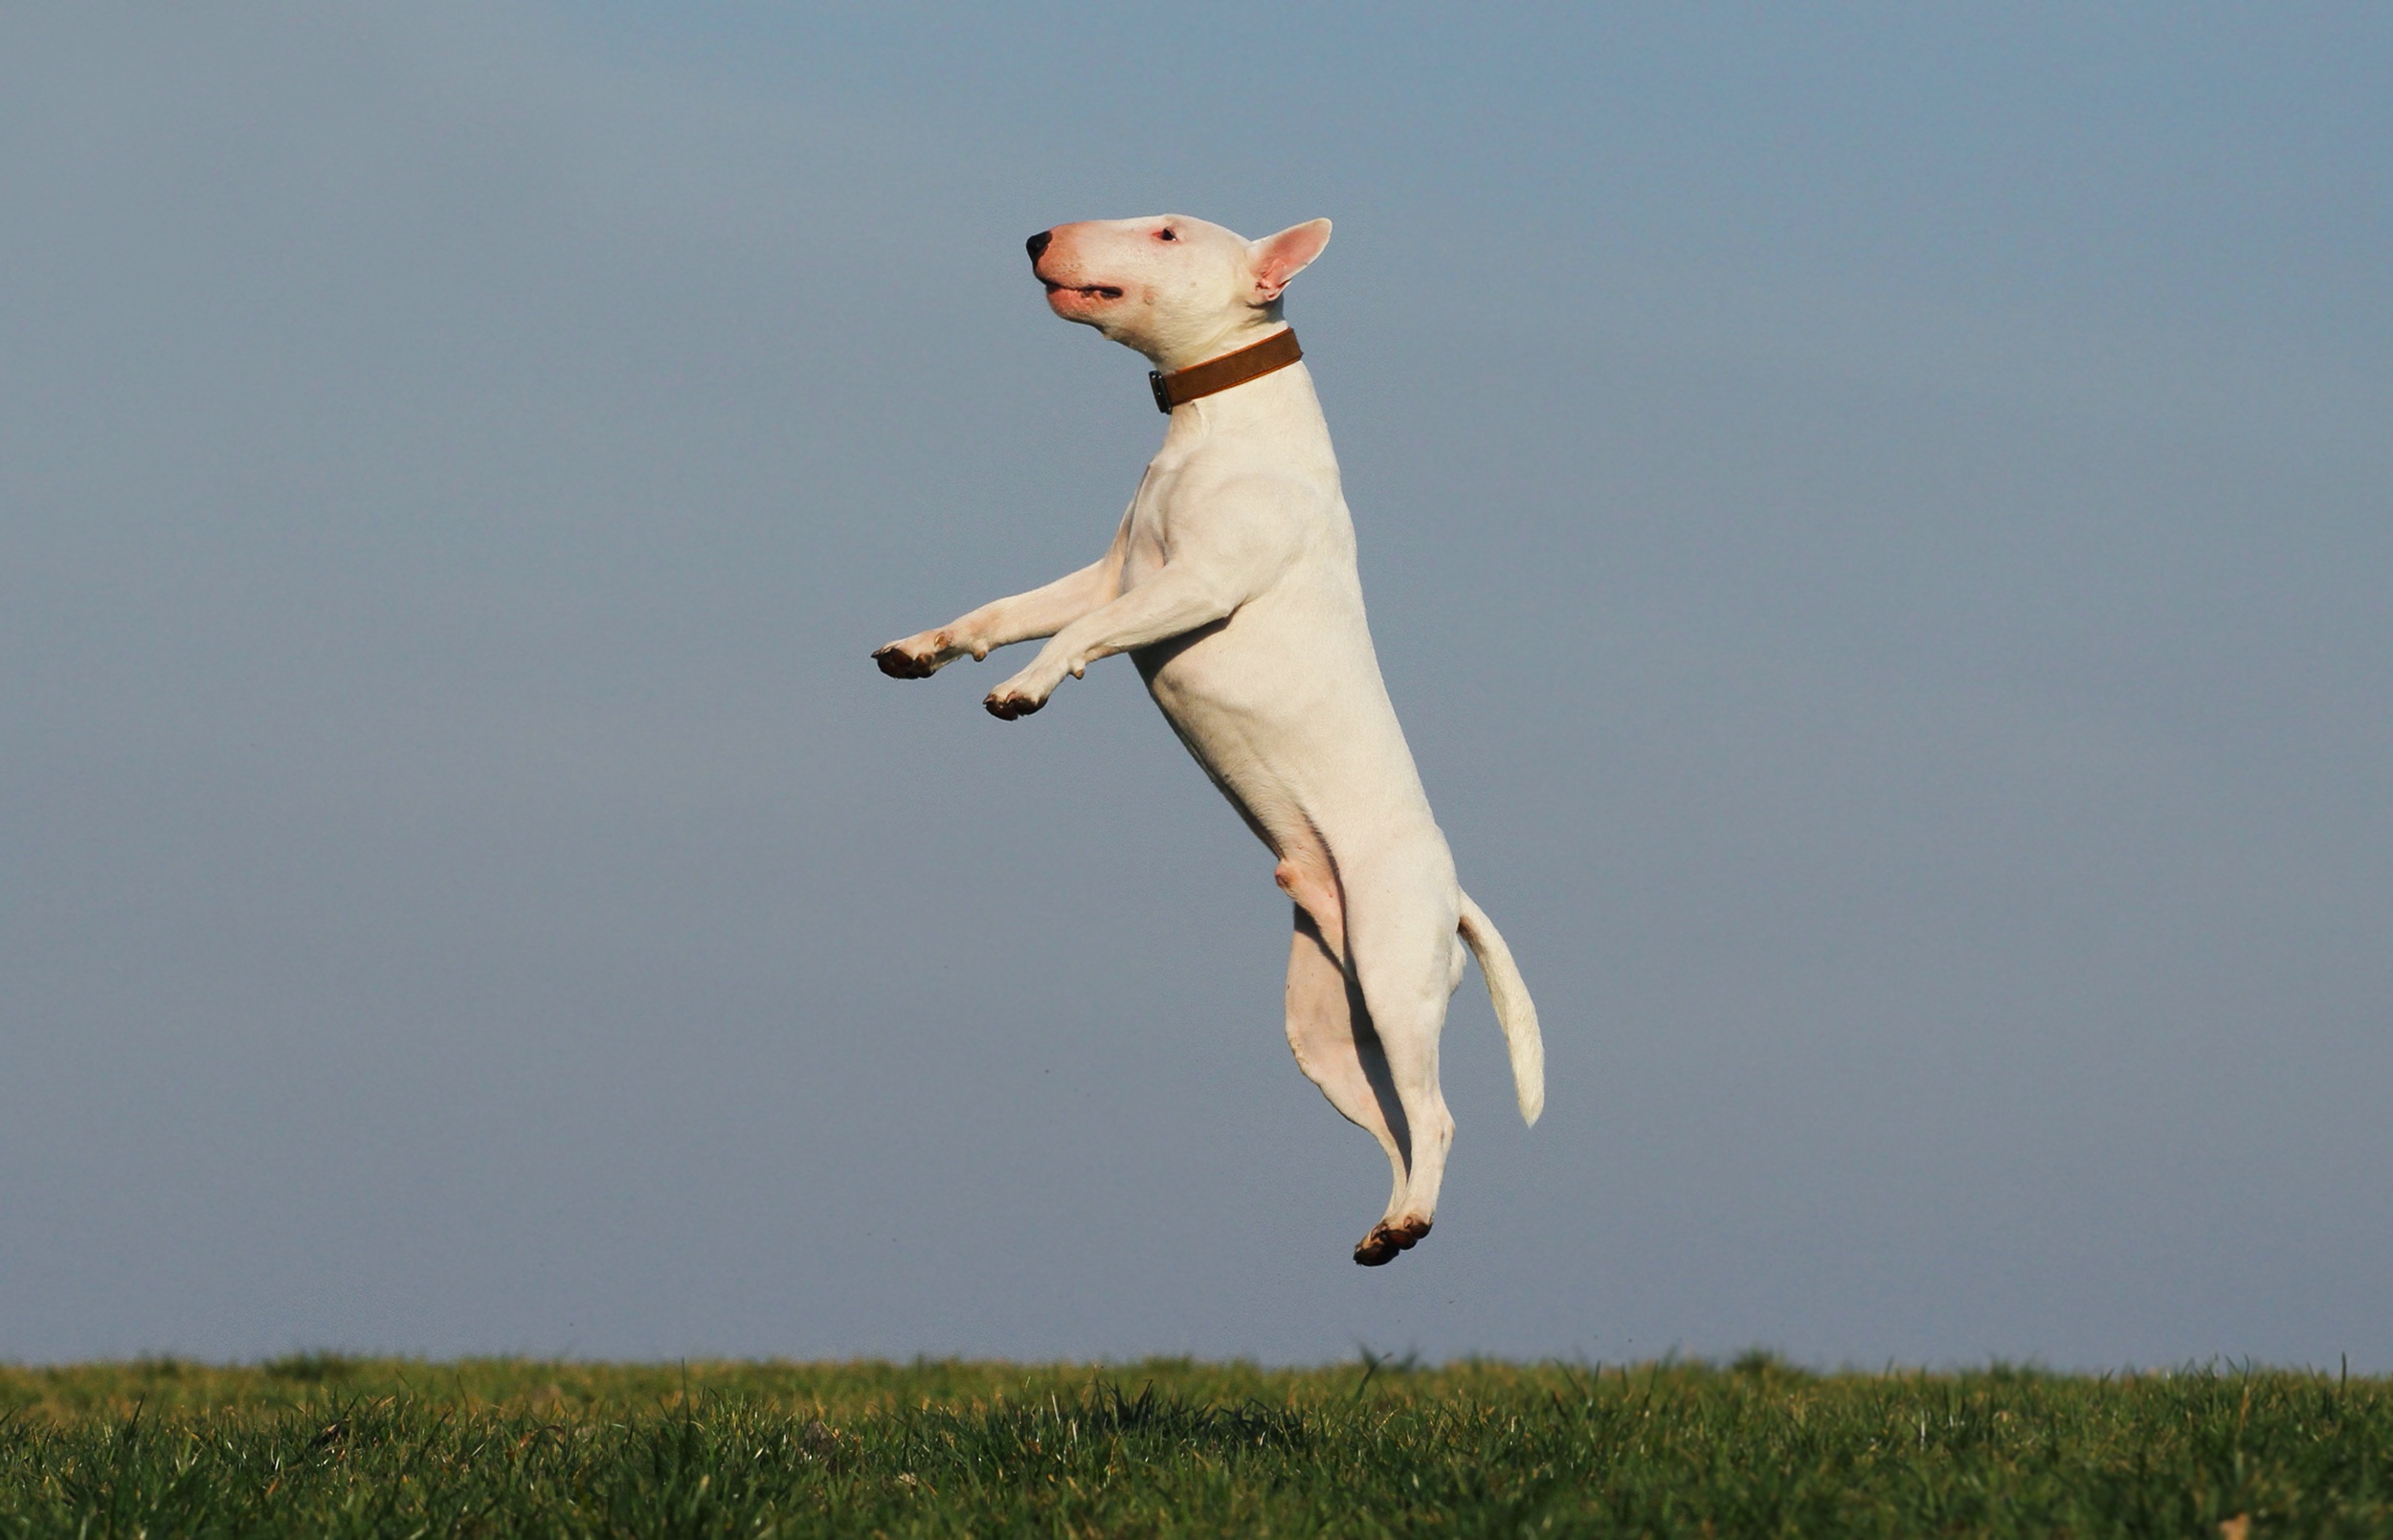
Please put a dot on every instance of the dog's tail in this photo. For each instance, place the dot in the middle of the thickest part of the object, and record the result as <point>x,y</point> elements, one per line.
<point>1512,1008</point>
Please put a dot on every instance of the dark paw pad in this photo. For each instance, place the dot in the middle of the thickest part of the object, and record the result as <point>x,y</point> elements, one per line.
<point>901,665</point>
<point>1379,1248</point>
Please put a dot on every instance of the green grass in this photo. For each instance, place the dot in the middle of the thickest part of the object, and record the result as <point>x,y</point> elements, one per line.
<point>325,1445</point>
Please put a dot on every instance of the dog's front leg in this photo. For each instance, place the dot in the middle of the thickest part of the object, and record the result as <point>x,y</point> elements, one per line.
<point>1042,611</point>
<point>1175,600</point>
<point>1002,622</point>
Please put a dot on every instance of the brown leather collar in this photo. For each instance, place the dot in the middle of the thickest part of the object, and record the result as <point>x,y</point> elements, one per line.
<point>1274,353</point>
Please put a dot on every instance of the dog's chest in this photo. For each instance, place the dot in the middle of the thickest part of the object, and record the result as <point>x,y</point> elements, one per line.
<point>1164,508</point>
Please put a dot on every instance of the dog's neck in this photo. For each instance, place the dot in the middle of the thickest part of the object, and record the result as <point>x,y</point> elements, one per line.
<point>1274,351</point>
<point>1172,344</point>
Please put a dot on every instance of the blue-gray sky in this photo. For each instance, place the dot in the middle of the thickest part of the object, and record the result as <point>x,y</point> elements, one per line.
<point>1878,523</point>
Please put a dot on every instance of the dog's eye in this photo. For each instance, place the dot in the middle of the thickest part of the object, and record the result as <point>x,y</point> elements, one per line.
<point>1167,232</point>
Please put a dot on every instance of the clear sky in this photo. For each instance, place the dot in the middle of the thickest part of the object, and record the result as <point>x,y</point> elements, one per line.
<point>1878,522</point>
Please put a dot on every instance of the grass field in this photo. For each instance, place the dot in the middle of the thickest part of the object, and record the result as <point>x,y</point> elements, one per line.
<point>323,1446</point>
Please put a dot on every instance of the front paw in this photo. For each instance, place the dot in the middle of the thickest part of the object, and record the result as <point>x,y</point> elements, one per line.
<point>1017,697</point>
<point>916,657</point>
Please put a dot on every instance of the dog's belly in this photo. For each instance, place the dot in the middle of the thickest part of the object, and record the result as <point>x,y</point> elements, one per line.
<point>1284,707</point>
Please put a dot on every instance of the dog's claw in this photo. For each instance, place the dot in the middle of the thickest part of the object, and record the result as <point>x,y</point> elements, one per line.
<point>900,664</point>
<point>1009,707</point>
<point>1384,1241</point>
<point>1380,1247</point>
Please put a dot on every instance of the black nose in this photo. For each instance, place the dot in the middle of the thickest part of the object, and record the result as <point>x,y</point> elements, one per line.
<point>1038,243</point>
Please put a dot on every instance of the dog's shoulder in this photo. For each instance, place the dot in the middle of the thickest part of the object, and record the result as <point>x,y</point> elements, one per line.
<point>1249,482</point>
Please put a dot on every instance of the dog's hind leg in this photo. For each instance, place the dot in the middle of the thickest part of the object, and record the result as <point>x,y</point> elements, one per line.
<point>1404,951</point>
<point>1338,1048</point>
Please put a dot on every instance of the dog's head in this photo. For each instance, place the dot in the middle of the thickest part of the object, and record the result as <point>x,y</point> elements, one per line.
<point>1177,289</point>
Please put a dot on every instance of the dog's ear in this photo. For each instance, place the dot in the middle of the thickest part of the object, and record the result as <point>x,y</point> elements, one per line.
<point>1280,258</point>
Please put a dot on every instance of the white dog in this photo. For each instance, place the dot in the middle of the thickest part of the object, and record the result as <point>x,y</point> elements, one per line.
<point>1231,584</point>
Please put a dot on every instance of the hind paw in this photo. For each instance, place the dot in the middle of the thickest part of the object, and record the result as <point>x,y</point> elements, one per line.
<point>1379,1248</point>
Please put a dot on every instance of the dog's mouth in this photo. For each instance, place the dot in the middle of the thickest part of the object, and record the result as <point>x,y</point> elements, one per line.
<point>1086,291</point>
